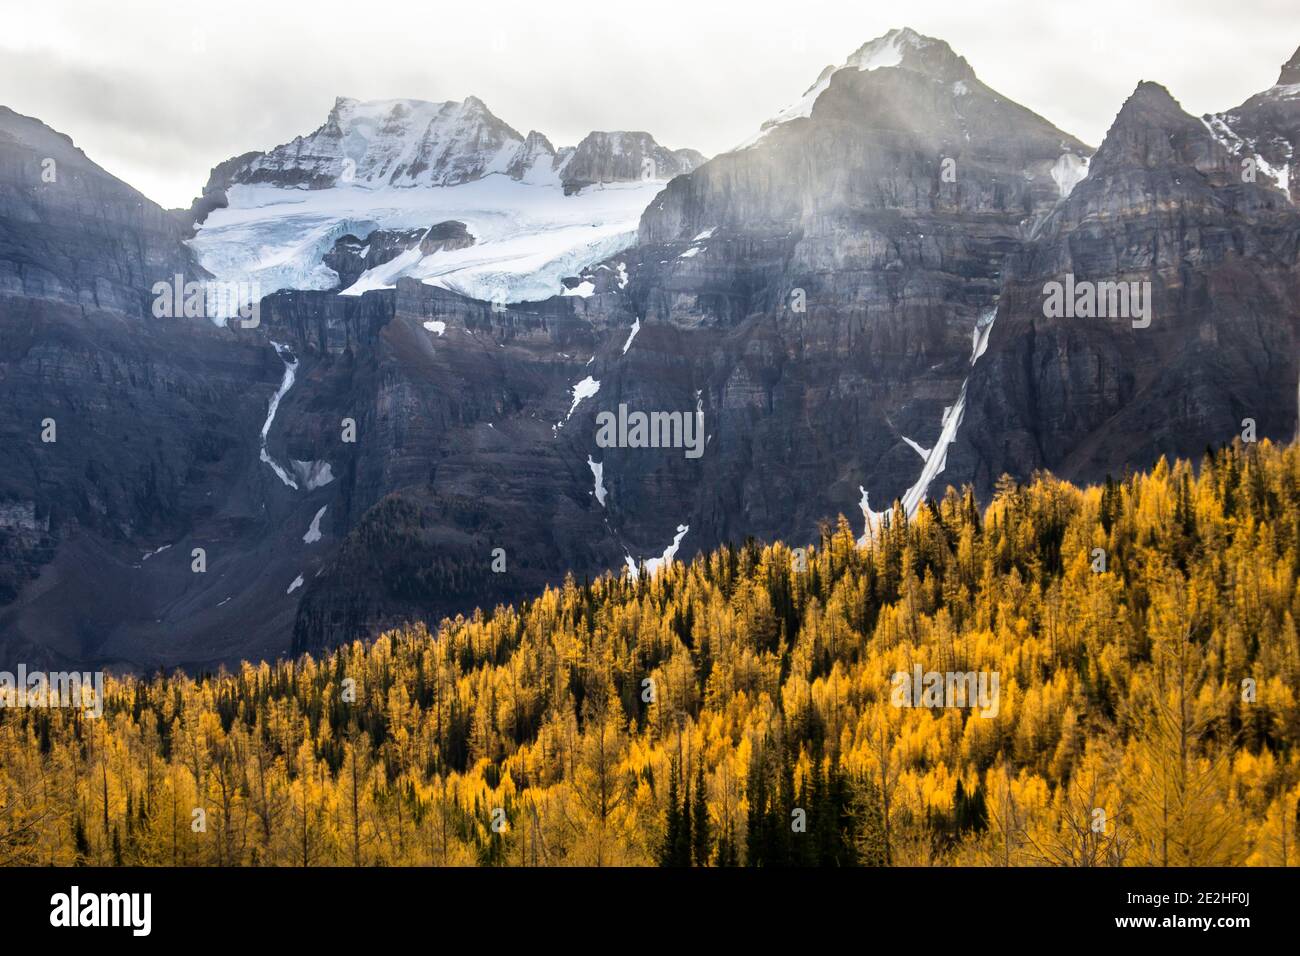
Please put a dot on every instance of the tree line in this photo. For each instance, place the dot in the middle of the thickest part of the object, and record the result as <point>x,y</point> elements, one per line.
<point>741,709</point>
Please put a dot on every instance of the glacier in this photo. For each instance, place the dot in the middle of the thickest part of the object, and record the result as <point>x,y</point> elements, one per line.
<point>527,236</point>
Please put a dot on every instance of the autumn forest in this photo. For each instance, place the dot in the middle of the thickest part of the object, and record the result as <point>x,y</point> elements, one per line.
<point>743,709</point>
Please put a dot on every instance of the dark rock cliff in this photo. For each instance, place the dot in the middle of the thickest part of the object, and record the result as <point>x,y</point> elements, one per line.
<point>71,232</point>
<point>1164,203</point>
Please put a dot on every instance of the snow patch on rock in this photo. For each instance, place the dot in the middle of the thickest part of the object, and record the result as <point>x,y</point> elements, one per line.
<point>1237,146</point>
<point>654,565</point>
<point>584,389</point>
<point>312,474</point>
<point>598,473</point>
<point>873,520</point>
<point>1068,171</point>
<point>636,327</point>
<point>980,335</point>
<point>583,289</point>
<point>923,452</point>
<point>286,383</point>
<point>313,533</point>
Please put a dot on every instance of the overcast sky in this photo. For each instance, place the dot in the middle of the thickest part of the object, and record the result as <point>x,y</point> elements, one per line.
<point>160,93</point>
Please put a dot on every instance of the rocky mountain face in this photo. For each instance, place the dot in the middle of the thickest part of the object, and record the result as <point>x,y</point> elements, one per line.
<point>825,282</point>
<point>70,232</point>
<point>116,425</point>
<point>125,435</point>
<point>811,299</point>
<point>1165,206</point>
<point>390,143</point>
<point>351,256</point>
<point>130,438</point>
<point>848,308</point>
<point>455,406</point>
<point>622,157</point>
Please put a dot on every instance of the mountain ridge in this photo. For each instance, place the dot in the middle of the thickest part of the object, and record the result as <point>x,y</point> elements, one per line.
<point>860,287</point>
<point>412,143</point>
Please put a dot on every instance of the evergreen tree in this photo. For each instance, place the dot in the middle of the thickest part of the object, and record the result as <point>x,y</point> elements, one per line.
<point>869,825</point>
<point>700,820</point>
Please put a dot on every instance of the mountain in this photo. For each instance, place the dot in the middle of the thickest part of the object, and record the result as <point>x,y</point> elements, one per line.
<point>390,143</point>
<point>1266,129</point>
<point>822,287</point>
<point>71,232</point>
<point>412,143</point>
<point>622,157</point>
<point>534,213</point>
<point>122,431</point>
<point>847,309</point>
<point>1164,203</point>
<point>899,273</point>
<point>178,436</point>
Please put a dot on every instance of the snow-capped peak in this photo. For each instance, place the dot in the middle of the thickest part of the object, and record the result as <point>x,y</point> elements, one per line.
<point>530,214</point>
<point>401,142</point>
<point>535,161</point>
<point>411,143</point>
<point>887,50</point>
<point>899,48</point>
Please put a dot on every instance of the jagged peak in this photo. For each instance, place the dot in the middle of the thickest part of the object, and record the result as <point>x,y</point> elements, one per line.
<point>618,133</point>
<point>900,48</point>
<point>413,142</point>
<point>1149,99</point>
<point>1150,108</point>
<point>1290,74</point>
<point>906,48</point>
<point>351,108</point>
<point>888,49</point>
<point>352,104</point>
<point>1152,130</point>
<point>535,160</point>
<point>616,139</point>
